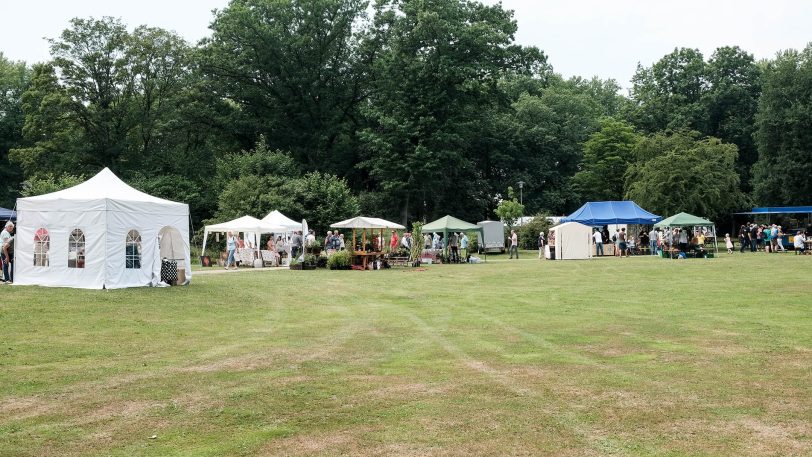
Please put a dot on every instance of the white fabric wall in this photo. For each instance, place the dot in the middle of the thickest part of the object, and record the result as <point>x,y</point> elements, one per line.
<point>572,241</point>
<point>105,238</point>
<point>59,226</point>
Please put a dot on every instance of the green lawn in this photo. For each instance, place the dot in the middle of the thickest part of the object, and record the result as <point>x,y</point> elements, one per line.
<point>638,356</point>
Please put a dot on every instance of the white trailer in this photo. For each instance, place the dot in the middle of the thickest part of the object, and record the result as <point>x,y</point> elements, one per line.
<point>494,236</point>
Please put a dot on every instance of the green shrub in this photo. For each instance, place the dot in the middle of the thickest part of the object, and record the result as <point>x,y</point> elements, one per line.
<point>340,260</point>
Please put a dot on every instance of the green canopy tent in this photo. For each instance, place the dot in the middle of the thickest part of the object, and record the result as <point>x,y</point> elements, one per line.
<point>447,224</point>
<point>688,220</point>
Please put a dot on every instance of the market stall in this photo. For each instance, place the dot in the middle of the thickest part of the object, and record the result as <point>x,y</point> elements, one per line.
<point>450,224</point>
<point>684,221</point>
<point>247,225</point>
<point>366,249</point>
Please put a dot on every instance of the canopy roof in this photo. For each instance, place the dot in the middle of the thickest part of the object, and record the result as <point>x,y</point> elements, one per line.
<point>7,214</point>
<point>780,210</point>
<point>684,220</point>
<point>604,213</point>
<point>278,219</point>
<point>104,186</point>
<point>246,224</point>
<point>449,224</point>
<point>361,222</point>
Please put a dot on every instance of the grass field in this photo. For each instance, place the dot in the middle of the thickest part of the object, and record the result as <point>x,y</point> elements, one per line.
<point>638,356</point>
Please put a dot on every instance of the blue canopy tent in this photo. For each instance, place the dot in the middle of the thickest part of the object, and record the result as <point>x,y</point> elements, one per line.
<point>605,213</point>
<point>8,215</point>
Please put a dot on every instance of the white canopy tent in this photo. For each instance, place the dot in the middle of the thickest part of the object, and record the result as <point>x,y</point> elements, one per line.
<point>278,219</point>
<point>573,240</point>
<point>245,224</point>
<point>361,222</point>
<point>99,234</point>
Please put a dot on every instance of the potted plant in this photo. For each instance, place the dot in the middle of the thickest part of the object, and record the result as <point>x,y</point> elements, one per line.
<point>309,263</point>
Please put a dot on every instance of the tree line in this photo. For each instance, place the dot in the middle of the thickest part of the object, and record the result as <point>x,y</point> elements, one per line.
<point>404,109</point>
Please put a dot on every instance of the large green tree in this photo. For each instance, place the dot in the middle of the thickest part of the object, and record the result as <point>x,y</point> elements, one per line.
<point>731,102</point>
<point>607,154</point>
<point>130,101</point>
<point>296,73</point>
<point>784,135</point>
<point>685,172</point>
<point>544,138</point>
<point>435,83</point>
<point>14,79</point>
<point>668,95</point>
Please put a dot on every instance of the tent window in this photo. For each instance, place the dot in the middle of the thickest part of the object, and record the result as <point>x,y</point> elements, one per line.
<point>76,249</point>
<point>133,250</point>
<point>42,243</point>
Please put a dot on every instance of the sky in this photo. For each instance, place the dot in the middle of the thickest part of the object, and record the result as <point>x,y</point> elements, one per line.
<point>604,38</point>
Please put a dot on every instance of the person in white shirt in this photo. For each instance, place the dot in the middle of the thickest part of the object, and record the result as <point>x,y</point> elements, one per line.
<point>598,242</point>
<point>800,242</point>
<point>5,235</point>
<point>652,241</point>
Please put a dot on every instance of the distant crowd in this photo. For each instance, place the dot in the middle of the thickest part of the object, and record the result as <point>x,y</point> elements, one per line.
<point>765,238</point>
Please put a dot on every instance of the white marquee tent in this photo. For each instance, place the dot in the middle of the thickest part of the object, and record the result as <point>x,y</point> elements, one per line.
<point>278,219</point>
<point>573,240</point>
<point>99,234</point>
<point>246,224</point>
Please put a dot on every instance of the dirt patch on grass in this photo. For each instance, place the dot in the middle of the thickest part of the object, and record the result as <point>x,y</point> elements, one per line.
<point>753,436</point>
<point>123,409</point>
<point>338,442</point>
<point>22,408</point>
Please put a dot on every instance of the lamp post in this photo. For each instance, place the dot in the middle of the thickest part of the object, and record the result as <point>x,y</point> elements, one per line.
<point>521,199</point>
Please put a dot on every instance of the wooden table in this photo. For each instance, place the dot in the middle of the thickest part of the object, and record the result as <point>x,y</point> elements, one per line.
<point>364,257</point>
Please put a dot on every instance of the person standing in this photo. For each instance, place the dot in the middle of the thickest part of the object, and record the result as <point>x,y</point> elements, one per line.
<point>406,241</point>
<point>779,239</point>
<point>393,241</point>
<point>231,247</point>
<point>436,241</point>
<point>464,245</point>
<point>4,237</point>
<point>728,243</point>
<point>296,244</point>
<point>598,242</point>
<point>8,253</point>
<point>514,244</point>
<point>541,245</point>
<point>800,242</point>
<point>683,240</point>
<point>453,245</point>
<point>621,242</point>
<point>652,241</point>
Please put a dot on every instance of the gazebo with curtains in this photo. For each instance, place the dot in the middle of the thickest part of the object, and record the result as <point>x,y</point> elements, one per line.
<point>689,220</point>
<point>447,224</point>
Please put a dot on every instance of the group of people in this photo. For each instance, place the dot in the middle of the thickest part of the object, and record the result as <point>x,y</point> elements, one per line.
<point>457,244</point>
<point>766,238</point>
<point>7,246</point>
<point>657,240</point>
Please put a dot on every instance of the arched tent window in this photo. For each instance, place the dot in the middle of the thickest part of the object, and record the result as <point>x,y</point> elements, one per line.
<point>76,249</point>
<point>42,244</point>
<point>132,251</point>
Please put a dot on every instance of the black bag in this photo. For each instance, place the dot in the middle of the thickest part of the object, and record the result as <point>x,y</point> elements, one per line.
<point>169,271</point>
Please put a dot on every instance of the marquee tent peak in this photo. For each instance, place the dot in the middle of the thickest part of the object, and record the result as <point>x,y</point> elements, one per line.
<point>684,220</point>
<point>245,224</point>
<point>611,212</point>
<point>275,217</point>
<point>362,222</point>
<point>104,185</point>
<point>449,224</point>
